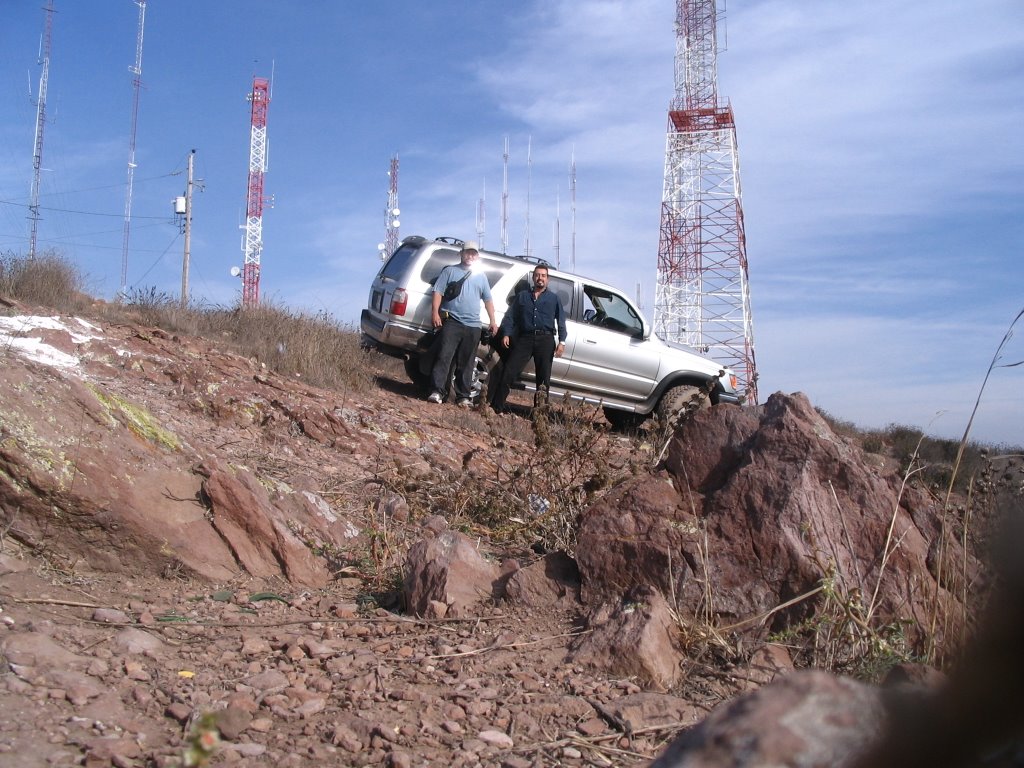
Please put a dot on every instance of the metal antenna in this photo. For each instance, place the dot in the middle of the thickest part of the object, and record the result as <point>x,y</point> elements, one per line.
<point>529,182</point>
<point>391,212</point>
<point>702,295</point>
<point>557,236</point>
<point>481,215</point>
<point>136,87</point>
<point>504,202</point>
<point>572,197</point>
<point>37,154</point>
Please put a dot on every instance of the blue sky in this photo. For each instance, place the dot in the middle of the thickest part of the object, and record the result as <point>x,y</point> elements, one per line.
<point>881,149</point>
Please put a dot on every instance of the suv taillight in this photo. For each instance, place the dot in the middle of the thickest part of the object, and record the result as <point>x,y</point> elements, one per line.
<point>399,301</point>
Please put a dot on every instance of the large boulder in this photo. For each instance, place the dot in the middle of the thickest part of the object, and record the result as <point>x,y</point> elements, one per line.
<point>757,507</point>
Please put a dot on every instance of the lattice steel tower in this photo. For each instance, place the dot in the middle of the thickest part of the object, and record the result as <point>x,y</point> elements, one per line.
<point>702,296</point>
<point>391,213</point>
<point>253,246</point>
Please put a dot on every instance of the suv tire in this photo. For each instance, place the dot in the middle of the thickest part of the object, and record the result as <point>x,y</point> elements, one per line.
<point>675,399</point>
<point>416,376</point>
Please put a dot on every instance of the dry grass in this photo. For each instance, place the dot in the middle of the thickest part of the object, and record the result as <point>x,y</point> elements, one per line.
<point>48,280</point>
<point>315,348</point>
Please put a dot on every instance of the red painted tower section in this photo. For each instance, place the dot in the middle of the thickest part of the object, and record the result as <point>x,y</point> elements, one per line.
<point>253,246</point>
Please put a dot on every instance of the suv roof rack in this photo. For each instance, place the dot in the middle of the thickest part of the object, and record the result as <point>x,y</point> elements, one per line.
<point>448,240</point>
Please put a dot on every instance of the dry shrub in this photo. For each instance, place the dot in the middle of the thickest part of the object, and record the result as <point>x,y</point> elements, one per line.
<point>314,348</point>
<point>49,280</point>
<point>531,497</point>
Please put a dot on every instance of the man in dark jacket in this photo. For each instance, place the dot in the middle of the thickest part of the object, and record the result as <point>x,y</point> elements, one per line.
<point>531,325</point>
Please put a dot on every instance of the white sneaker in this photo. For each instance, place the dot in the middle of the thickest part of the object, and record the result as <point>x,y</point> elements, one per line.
<point>464,402</point>
<point>435,397</point>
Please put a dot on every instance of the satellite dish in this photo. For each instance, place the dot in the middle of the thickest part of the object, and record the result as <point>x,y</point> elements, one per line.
<point>396,223</point>
<point>235,271</point>
<point>395,212</point>
<point>380,246</point>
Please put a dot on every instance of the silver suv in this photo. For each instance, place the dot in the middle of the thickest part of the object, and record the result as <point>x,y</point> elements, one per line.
<point>612,356</point>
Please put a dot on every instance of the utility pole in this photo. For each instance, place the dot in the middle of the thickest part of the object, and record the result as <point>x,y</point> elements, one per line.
<point>188,232</point>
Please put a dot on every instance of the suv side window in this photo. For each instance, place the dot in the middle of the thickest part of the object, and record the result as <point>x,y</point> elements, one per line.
<point>558,285</point>
<point>609,310</point>
<point>442,257</point>
<point>564,289</point>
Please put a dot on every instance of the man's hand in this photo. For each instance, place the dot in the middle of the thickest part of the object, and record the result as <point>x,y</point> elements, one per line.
<point>493,328</point>
<point>560,349</point>
<point>506,341</point>
<point>435,318</point>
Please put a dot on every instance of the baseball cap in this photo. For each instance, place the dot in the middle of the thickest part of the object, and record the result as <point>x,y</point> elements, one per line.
<point>471,245</point>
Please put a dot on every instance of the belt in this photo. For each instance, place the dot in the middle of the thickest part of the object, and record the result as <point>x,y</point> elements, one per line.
<point>543,333</point>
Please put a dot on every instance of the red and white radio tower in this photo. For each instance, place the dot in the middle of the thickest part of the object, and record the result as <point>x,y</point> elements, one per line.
<point>702,296</point>
<point>260,98</point>
<point>391,213</point>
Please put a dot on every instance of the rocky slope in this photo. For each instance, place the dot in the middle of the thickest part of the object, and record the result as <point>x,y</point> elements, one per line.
<point>192,545</point>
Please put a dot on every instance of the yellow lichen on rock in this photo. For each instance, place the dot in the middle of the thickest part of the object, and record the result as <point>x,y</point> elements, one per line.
<point>137,419</point>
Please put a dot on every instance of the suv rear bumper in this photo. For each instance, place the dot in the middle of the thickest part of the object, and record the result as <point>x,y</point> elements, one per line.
<point>397,339</point>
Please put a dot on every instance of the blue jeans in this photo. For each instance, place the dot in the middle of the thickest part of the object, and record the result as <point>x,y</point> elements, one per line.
<point>458,342</point>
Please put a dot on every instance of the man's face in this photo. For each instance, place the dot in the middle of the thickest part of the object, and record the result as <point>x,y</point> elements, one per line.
<point>540,279</point>
<point>469,258</point>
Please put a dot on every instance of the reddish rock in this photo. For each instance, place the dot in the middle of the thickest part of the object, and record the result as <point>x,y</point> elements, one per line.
<point>449,569</point>
<point>755,508</point>
<point>634,636</point>
<point>552,579</point>
<point>804,719</point>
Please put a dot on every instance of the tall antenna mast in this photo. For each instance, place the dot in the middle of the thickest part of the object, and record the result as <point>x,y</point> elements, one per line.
<point>572,198</point>
<point>504,202</point>
<point>702,296</point>
<point>557,237</point>
<point>37,152</point>
<point>391,212</point>
<point>481,215</point>
<point>136,87</point>
<point>529,182</point>
<point>260,98</point>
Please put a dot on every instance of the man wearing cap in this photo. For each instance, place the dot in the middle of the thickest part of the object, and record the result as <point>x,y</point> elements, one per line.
<point>458,317</point>
<point>534,326</point>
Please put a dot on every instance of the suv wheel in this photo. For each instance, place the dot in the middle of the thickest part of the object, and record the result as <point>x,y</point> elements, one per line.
<point>416,376</point>
<point>684,396</point>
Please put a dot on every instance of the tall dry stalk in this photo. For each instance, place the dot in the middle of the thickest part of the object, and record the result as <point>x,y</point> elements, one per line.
<point>956,468</point>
